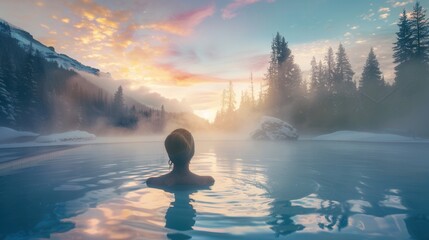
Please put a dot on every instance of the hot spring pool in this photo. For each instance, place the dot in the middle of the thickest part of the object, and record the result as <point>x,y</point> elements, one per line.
<point>263,190</point>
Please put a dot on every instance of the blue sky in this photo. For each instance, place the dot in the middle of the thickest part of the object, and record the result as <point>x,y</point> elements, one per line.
<point>183,53</point>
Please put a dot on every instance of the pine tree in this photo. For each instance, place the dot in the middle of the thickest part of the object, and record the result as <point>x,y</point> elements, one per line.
<point>411,53</point>
<point>224,102</point>
<point>7,111</point>
<point>245,101</point>
<point>27,94</point>
<point>39,88</point>
<point>261,99</point>
<point>403,51</point>
<point>118,103</point>
<point>371,82</point>
<point>314,80</point>
<point>225,117</point>
<point>321,78</point>
<point>420,33</point>
<point>272,75</point>
<point>343,73</point>
<point>283,75</point>
<point>163,120</point>
<point>231,99</point>
<point>294,86</point>
<point>330,69</point>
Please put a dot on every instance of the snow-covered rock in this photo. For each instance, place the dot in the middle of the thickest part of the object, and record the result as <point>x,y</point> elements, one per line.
<point>66,137</point>
<point>271,128</point>
<point>11,135</point>
<point>364,137</point>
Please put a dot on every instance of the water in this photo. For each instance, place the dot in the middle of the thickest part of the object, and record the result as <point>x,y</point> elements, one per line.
<point>300,190</point>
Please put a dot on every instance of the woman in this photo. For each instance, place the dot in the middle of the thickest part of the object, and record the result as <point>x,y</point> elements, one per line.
<point>180,149</point>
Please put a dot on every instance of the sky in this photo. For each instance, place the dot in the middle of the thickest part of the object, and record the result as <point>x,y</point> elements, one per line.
<point>183,53</point>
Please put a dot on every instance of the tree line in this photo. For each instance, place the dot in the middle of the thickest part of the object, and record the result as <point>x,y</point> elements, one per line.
<point>332,99</point>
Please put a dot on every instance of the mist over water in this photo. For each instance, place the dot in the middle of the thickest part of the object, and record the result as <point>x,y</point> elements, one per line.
<point>78,142</point>
<point>263,190</point>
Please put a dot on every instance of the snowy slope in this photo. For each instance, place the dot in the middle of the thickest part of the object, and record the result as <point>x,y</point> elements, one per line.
<point>26,41</point>
<point>9,134</point>
<point>365,137</point>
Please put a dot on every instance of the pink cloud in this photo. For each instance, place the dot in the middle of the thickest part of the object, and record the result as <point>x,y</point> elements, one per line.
<point>258,62</point>
<point>184,23</point>
<point>230,10</point>
<point>184,78</point>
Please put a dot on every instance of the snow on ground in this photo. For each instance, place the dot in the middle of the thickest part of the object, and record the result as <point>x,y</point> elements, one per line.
<point>9,134</point>
<point>98,140</point>
<point>366,137</point>
<point>66,137</point>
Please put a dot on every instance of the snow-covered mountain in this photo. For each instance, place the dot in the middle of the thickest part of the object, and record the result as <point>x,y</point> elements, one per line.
<point>26,41</point>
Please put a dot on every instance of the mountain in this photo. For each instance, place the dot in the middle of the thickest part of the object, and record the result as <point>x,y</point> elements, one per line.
<point>27,41</point>
<point>42,90</point>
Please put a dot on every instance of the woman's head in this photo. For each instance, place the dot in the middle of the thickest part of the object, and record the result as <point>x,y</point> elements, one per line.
<point>180,146</point>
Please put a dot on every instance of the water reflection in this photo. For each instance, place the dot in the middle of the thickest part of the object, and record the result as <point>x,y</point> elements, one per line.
<point>281,221</point>
<point>181,214</point>
<point>262,191</point>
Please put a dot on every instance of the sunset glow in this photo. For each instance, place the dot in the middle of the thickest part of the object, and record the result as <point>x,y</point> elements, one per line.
<point>187,53</point>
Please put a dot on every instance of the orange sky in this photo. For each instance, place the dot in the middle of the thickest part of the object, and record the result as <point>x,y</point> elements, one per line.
<point>183,55</point>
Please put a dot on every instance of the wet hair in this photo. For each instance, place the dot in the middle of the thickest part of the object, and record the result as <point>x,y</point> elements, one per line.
<point>180,146</point>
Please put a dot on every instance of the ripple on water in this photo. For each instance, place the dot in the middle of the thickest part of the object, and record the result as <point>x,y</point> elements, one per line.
<point>66,187</point>
<point>257,195</point>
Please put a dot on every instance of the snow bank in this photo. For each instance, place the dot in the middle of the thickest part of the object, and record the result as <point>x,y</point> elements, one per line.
<point>10,135</point>
<point>271,128</point>
<point>364,137</point>
<point>66,137</point>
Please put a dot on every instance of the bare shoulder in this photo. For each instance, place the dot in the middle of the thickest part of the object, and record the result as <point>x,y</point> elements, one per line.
<point>207,180</point>
<point>152,181</point>
<point>156,181</point>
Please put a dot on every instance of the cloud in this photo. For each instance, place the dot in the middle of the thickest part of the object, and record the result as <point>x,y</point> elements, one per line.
<point>44,26</point>
<point>369,16</point>
<point>384,15</point>
<point>354,27</point>
<point>258,63</point>
<point>178,77</point>
<point>230,11</point>
<point>186,55</point>
<point>184,23</point>
<point>65,20</point>
<point>95,24</point>
<point>203,99</point>
<point>49,41</point>
<point>347,34</point>
<point>384,9</point>
<point>400,3</point>
<point>409,15</point>
<point>40,3</point>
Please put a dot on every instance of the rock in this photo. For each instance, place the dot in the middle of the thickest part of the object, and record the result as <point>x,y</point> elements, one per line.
<point>271,128</point>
